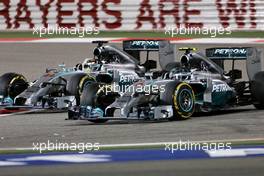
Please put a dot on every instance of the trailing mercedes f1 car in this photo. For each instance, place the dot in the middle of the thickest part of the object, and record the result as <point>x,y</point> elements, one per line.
<point>196,83</point>
<point>53,90</point>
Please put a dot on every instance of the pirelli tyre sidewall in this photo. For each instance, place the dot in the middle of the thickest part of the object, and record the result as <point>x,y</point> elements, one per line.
<point>83,81</point>
<point>12,84</point>
<point>183,101</point>
<point>94,95</point>
<point>89,97</point>
<point>76,84</point>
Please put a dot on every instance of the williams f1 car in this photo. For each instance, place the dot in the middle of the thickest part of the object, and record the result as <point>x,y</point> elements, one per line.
<point>198,83</point>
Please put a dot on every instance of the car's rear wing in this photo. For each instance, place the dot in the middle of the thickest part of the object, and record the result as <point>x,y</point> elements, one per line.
<point>233,53</point>
<point>250,54</point>
<point>166,51</point>
<point>134,47</point>
<point>141,45</point>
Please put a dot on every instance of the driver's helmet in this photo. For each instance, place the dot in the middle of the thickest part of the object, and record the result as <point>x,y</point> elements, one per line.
<point>86,65</point>
<point>203,66</point>
<point>185,62</point>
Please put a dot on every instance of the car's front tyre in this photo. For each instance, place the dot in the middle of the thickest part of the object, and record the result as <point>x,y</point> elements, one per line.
<point>76,84</point>
<point>89,97</point>
<point>181,97</point>
<point>183,101</point>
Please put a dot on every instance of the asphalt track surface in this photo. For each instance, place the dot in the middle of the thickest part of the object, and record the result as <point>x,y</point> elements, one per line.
<point>22,130</point>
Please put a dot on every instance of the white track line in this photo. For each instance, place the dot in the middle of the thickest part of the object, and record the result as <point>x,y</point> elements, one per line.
<point>146,144</point>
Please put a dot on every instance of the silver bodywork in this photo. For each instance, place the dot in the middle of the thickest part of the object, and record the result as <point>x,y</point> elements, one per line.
<point>46,85</point>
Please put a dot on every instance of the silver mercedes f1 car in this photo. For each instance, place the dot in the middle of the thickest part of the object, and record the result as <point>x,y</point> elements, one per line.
<point>198,83</point>
<point>52,90</point>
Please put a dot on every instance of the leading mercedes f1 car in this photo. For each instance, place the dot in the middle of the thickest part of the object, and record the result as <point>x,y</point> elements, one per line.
<point>196,83</point>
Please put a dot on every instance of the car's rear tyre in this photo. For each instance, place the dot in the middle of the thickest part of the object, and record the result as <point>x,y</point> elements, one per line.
<point>181,96</point>
<point>257,90</point>
<point>12,84</point>
<point>89,97</point>
<point>76,84</point>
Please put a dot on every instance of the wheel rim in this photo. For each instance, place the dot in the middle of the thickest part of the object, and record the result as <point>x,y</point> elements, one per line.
<point>186,100</point>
